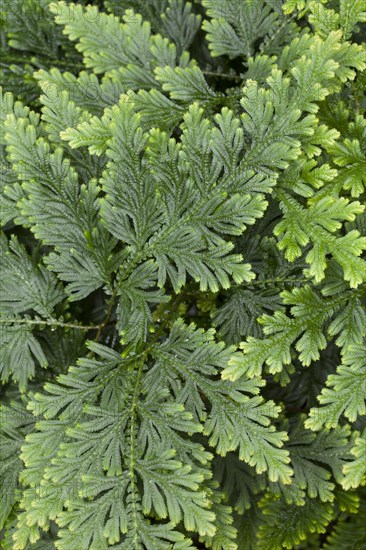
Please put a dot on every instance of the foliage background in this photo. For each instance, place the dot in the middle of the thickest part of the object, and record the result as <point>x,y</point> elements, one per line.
<point>182,293</point>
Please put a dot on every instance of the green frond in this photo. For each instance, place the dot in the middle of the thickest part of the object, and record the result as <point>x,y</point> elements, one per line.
<point>90,28</point>
<point>16,422</point>
<point>180,24</point>
<point>291,5</point>
<point>349,531</point>
<point>133,54</point>
<point>42,290</point>
<point>137,454</point>
<point>21,352</point>
<point>345,392</point>
<point>297,522</point>
<point>150,11</point>
<point>186,84</point>
<point>235,26</point>
<point>237,317</point>
<point>351,13</point>
<point>49,183</point>
<point>355,471</point>
<point>87,91</point>
<point>316,471</point>
<point>240,482</point>
<point>351,158</point>
<point>225,535</point>
<point>318,225</point>
<point>182,293</point>
<point>323,19</point>
<point>309,312</point>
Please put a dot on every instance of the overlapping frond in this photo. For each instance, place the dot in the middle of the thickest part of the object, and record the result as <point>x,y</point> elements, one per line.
<point>182,293</point>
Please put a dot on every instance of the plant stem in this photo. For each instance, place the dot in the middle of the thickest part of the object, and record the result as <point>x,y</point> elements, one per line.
<point>48,323</point>
<point>135,397</point>
<point>275,280</point>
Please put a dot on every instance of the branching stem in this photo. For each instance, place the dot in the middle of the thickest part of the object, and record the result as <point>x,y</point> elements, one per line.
<point>135,397</point>
<point>49,323</point>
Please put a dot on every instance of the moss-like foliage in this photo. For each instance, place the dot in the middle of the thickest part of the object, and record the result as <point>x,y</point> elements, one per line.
<point>183,282</point>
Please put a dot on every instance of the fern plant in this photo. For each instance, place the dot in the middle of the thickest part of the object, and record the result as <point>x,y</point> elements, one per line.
<point>183,283</point>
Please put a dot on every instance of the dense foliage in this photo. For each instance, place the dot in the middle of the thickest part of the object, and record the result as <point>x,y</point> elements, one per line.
<point>183,282</point>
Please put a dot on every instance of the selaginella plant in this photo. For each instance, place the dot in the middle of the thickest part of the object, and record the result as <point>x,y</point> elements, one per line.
<point>183,282</point>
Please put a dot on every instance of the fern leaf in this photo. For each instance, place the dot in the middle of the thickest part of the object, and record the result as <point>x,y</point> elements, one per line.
<point>349,532</point>
<point>151,233</point>
<point>236,318</point>
<point>87,91</point>
<point>170,482</point>
<point>297,522</point>
<point>351,13</point>
<point>235,420</point>
<point>10,188</point>
<point>16,422</point>
<point>41,292</point>
<point>345,392</point>
<point>157,110</point>
<point>48,178</point>
<point>315,470</point>
<point>235,26</point>
<point>351,158</point>
<point>21,352</point>
<point>90,28</point>
<point>225,535</point>
<point>239,482</point>
<point>180,24</point>
<point>309,315</point>
<point>318,225</point>
<point>131,57</point>
<point>185,84</point>
<point>136,296</point>
<point>355,471</point>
